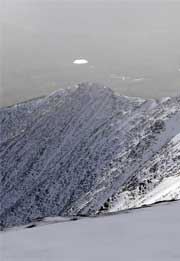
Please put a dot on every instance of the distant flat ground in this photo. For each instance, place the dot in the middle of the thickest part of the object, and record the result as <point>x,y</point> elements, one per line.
<point>143,235</point>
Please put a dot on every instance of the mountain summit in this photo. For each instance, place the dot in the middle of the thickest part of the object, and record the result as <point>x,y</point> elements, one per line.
<point>86,150</point>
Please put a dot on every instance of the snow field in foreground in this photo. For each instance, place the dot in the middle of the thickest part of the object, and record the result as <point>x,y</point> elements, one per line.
<point>148,234</point>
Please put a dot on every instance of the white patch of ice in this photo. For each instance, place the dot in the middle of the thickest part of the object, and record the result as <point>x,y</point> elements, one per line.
<point>80,61</point>
<point>138,79</point>
<point>121,77</point>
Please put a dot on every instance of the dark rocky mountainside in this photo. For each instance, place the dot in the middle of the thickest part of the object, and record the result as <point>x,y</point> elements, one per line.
<point>85,150</point>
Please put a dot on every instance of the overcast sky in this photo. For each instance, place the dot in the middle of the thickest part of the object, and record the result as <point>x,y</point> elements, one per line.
<point>122,40</point>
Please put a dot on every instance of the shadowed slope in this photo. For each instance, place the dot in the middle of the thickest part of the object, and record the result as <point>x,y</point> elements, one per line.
<point>76,149</point>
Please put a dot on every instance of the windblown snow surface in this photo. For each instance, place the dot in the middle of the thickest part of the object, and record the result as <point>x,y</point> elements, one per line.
<point>86,150</point>
<point>146,234</point>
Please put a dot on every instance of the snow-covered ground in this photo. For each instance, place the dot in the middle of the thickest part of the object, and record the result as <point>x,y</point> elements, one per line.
<point>147,234</point>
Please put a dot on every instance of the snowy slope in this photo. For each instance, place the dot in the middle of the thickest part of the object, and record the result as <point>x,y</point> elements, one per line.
<point>148,188</point>
<point>149,234</point>
<point>85,150</point>
<point>167,189</point>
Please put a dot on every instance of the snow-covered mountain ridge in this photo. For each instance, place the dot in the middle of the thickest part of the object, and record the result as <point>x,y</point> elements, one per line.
<point>85,150</point>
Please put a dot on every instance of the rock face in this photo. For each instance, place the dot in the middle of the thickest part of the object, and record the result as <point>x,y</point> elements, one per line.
<point>85,150</point>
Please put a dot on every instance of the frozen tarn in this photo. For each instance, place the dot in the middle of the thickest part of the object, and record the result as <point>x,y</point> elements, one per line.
<point>80,61</point>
